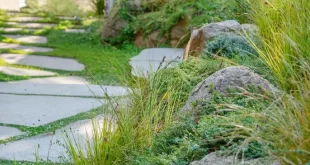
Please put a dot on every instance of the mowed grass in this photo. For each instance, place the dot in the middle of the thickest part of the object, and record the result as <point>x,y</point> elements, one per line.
<point>101,60</point>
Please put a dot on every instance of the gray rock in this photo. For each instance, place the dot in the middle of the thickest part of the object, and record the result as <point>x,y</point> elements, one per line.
<point>215,29</point>
<point>34,111</point>
<point>230,77</point>
<point>214,159</point>
<point>28,49</point>
<point>43,62</point>
<point>28,39</point>
<point>8,132</point>
<point>25,72</point>
<point>201,36</point>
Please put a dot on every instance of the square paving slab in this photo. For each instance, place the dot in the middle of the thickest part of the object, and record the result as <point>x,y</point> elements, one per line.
<point>24,48</point>
<point>11,29</point>
<point>8,132</point>
<point>44,62</point>
<point>62,90</point>
<point>28,39</point>
<point>25,72</point>
<point>145,68</point>
<point>31,25</point>
<point>26,19</point>
<point>75,30</point>
<point>39,110</point>
<point>50,145</point>
<point>158,54</point>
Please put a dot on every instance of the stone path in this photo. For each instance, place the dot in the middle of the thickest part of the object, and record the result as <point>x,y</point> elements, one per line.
<point>51,145</point>
<point>42,101</point>
<point>25,72</point>
<point>150,60</point>
<point>43,62</point>
<point>28,39</point>
<point>28,49</point>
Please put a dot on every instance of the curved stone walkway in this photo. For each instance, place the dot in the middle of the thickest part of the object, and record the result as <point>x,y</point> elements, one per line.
<point>42,101</point>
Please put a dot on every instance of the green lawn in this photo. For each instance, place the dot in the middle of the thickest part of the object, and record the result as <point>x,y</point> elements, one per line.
<point>103,62</point>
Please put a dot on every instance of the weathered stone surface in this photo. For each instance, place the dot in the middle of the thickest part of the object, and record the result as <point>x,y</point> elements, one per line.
<point>28,39</point>
<point>230,77</point>
<point>8,132</point>
<point>73,80</point>
<point>25,72</point>
<point>62,89</point>
<point>31,25</point>
<point>200,36</point>
<point>178,32</point>
<point>26,19</point>
<point>39,110</point>
<point>150,60</point>
<point>24,48</point>
<point>43,62</point>
<point>214,159</point>
<point>50,145</point>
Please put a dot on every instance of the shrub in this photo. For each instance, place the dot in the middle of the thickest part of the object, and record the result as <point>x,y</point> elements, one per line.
<point>229,46</point>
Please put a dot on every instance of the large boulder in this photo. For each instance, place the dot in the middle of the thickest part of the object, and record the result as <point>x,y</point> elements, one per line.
<point>214,159</point>
<point>200,36</point>
<point>230,77</point>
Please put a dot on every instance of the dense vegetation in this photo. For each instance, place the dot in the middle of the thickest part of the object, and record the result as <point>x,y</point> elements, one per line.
<point>249,123</point>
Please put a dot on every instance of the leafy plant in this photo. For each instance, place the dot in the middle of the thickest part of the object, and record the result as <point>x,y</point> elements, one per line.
<point>99,6</point>
<point>229,46</point>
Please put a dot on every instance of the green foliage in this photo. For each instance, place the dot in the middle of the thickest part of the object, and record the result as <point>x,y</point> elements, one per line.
<point>100,6</point>
<point>60,7</point>
<point>191,139</point>
<point>229,46</point>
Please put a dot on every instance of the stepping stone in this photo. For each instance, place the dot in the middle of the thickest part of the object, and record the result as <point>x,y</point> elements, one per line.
<point>151,60</point>
<point>44,62</point>
<point>145,68</point>
<point>25,72</point>
<point>24,48</point>
<point>62,90</point>
<point>66,18</point>
<point>11,29</point>
<point>54,80</point>
<point>158,54</point>
<point>35,111</point>
<point>75,30</point>
<point>26,19</point>
<point>28,39</point>
<point>8,132</point>
<point>50,145</point>
<point>31,25</point>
